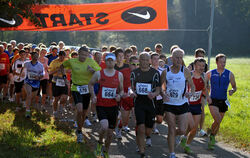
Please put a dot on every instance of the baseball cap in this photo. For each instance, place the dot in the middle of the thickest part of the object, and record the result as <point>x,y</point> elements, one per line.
<point>110,56</point>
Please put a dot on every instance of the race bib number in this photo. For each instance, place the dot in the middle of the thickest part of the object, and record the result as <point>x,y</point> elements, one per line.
<point>32,75</point>
<point>108,93</point>
<point>174,93</point>
<point>228,103</point>
<point>196,96</point>
<point>60,82</point>
<point>143,88</point>
<point>83,89</point>
<point>2,66</point>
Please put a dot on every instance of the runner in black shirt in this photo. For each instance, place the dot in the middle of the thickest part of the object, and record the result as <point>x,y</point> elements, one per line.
<point>145,86</point>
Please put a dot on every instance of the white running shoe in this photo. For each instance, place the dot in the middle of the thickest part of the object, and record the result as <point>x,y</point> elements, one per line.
<point>118,133</point>
<point>202,133</point>
<point>12,99</point>
<point>126,129</point>
<point>87,122</point>
<point>155,131</point>
<point>177,140</point>
<point>148,142</point>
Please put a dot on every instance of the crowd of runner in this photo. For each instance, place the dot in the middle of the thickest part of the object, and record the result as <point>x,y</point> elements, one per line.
<point>115,84</point>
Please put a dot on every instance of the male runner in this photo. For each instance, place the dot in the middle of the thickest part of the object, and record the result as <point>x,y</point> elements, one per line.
<point>110,92</point>
<point>82,68</point>
<point>219,79</point>
<point>176,98</point>
<point>145,86</point>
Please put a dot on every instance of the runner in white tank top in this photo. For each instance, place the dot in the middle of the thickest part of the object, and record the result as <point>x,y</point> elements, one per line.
<point>175,97</point>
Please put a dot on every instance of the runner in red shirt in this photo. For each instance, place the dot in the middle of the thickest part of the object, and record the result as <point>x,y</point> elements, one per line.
<point>194,116</point>
<point>110,92</point>
<point>4,71</point>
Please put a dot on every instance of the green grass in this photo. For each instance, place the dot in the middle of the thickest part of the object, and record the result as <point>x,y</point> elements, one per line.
<point>40,136</point>
<point>235,127</point>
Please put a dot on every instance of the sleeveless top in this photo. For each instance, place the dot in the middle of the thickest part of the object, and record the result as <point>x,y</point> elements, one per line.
<point>199,86</point>
<point>219,84</point>
<point>108,89</point>
<point>176,87</point>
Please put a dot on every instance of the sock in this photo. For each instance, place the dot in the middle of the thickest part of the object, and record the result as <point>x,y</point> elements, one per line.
<point>147,137</point>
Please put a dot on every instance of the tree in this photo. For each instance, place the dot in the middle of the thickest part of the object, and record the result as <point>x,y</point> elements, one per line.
<point>11,8</point>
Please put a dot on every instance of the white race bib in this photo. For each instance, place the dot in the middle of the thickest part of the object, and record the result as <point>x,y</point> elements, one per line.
<point>108,93</point>
<point>84,89</point>
<point>228,103</point>
<point>143,88</point>
<point>196,96</point>
<point>60,82</point>
<point>2,66</point>
<point>32,75</point>
<point>174,93</point>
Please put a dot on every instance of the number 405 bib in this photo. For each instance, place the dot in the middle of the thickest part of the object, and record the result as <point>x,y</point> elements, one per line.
<point>143,88</point>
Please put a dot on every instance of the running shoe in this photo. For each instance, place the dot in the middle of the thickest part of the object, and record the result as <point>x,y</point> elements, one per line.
<point>126,129</point>
<point>172,155</point>
<point>202,133</point>
<point>87,122</point>
<point>55,114</point>
<point>137,148</point>
<point>143,155</point>
<point>98,151</point>
<point>211,142</point>
<point>177,140</point>
<point>118,133</point>
<point>155,131</point>
<point>187,150</point>
<point>79,136</point>
<point>106,154</point>
<point>183,142</point>
<point>27,114</point>
<point>148,142</point>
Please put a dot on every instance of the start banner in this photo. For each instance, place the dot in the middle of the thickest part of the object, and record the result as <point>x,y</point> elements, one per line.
<point>133,15</point>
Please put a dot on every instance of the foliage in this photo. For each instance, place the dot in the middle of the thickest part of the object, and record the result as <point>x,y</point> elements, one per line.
<point>11,8</point>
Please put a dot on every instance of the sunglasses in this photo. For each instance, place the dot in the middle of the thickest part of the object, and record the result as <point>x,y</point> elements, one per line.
<point>135,64</point>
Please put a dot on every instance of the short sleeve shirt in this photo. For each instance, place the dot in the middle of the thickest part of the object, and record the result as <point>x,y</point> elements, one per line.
<point>79,71</point>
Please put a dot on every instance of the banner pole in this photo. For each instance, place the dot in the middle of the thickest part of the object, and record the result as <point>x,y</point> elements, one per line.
<point>210,36</point>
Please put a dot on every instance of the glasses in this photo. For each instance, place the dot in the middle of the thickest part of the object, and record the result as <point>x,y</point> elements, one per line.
<point>135,64</point>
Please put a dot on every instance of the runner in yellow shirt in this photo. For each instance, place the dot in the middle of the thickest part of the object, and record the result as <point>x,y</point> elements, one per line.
<point>82,68</point>
<point>59,84</point>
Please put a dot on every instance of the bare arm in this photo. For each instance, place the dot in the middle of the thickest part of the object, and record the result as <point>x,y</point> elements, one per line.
<point>93,80</point>
<point>189,80</point>
<point>121,91</point>
<point>233,84</point>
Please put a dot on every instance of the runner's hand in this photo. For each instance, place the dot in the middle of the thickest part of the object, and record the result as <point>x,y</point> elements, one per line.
<point>231,92</point>
<point>118,97</point>
<point>165,97</point>
<point>151,95</point>
<point>133,95</point>
<point>209,100</point>
<point>93,99</point>
<point>188,94</point>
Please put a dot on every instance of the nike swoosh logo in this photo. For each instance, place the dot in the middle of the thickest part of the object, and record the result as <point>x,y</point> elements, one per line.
<point>11,22</point>
<point>146,17</point>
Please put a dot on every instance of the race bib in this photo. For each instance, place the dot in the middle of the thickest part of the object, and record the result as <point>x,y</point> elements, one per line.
<point>108,93</point>
<point>174,93</point>
<point>143,88</point>
<point>32,75</point>
<point>228,103</point>
<point>2,66</point>
<point>83,89</point>
<point>196,96</point>
<point>60,82</point>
